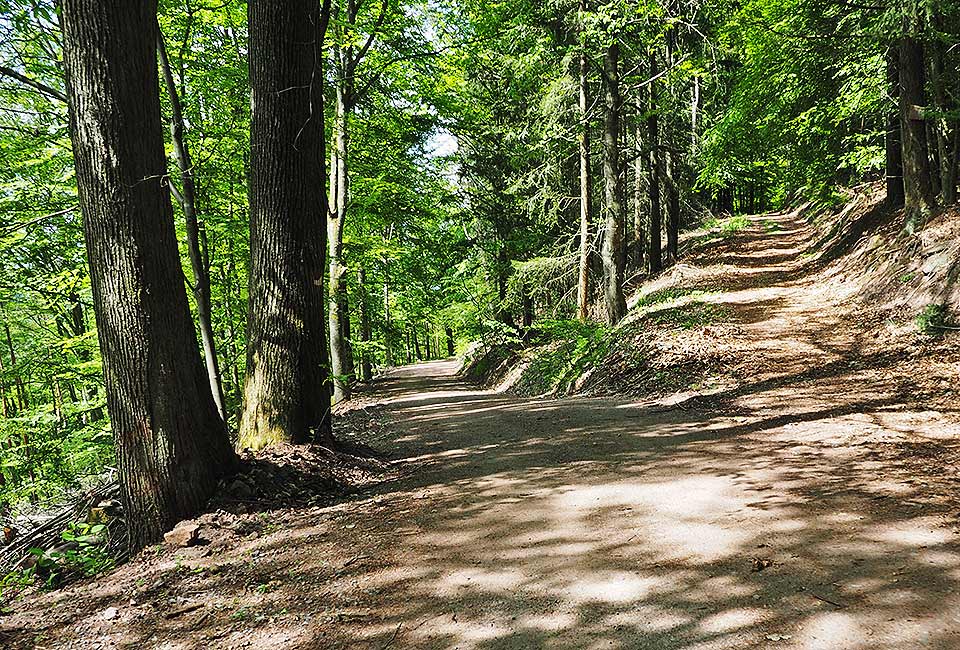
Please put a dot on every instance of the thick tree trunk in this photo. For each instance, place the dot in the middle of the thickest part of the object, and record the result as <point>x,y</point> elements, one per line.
<point>586,184</point>
<point>655,253</point>
<point>918,189</point>
<point>188,202</point>
<point>614,209</point>
<point>287,392</point>
<point>366,334</point>
<point>172,446</point>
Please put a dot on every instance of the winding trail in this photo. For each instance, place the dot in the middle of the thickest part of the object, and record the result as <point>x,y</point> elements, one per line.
<point>813,507</point>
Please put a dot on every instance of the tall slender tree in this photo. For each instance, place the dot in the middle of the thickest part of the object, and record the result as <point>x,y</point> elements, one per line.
<point>172,446</point>
<point>287,392</point>
<point>196,248</point>
<point>614,208</point>
<point>586,177</point>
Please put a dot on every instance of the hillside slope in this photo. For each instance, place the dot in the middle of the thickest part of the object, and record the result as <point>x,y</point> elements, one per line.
<point>766,298</point>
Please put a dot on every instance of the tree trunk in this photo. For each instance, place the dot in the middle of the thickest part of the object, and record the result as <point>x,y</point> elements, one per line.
<point>387,325</point>
<point>23,401</point>
<point>451,349</point>
<point>188,202</point>
<point>639,216</point>
<point>614,212</point>
<point>417,354</point>
<point>918,189</point>
<point>366,334</point>
<point>586,183</point>
<point>673,211</point>
<point>528,314</point>
<point>172,446</point>
<point>287,392</point>
<point>339,189</point>
<point>655,254</point>
<point>941,126</point>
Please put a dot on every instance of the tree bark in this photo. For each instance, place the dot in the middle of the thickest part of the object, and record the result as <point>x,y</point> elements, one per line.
<point>188,202</point>
<point>655,253</point>
<point>946,162</point>
<point>287,391</point>
<point>918,189</point>
<point>586,184</point>
<point>339,189</point>
<point>673,210</point>
<point>172,446</point>
<point>614,209</point>
<point>639,216</point>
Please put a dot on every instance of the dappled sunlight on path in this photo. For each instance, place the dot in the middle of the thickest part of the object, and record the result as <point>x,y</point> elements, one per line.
<point>577,524</point>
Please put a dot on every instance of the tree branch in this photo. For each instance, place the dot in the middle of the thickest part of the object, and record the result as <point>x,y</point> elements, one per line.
<point>43,88</point>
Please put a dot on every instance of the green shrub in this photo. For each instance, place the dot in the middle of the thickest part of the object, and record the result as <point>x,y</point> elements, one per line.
<point>932,320</point>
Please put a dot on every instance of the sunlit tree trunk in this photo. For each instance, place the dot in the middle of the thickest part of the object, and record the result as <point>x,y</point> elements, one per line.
<point>339,196</point>
<point>172,446</point>
<point>614,209</point>
<point>586,184</point>
<point>287,394</point>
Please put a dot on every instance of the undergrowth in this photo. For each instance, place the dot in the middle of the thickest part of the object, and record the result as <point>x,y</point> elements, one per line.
<point>569,348</point>
<point>932,321</point>
<point>727,227</point>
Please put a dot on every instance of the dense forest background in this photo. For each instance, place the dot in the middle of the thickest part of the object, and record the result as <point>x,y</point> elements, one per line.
<point>493,166</point>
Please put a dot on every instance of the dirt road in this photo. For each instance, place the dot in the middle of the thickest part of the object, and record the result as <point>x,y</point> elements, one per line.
<point>815,507</point>
<point>593,523</point>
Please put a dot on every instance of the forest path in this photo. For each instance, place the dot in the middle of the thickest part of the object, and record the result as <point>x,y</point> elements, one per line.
<point>588,523</point>
<point>599,523</point>
<point>608,523</point>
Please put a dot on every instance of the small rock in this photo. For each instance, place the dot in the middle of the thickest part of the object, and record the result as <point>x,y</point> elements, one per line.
<point>110,613</point>
<point>186,533</point>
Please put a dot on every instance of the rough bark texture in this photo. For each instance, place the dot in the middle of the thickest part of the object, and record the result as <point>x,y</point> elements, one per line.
<point>172,446</point>
<point>614,210</point>
<point>655,253</point>
<point>918,189</point>
<point>586,183</point>
<point>287,395</point>
<point>198,260</point>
